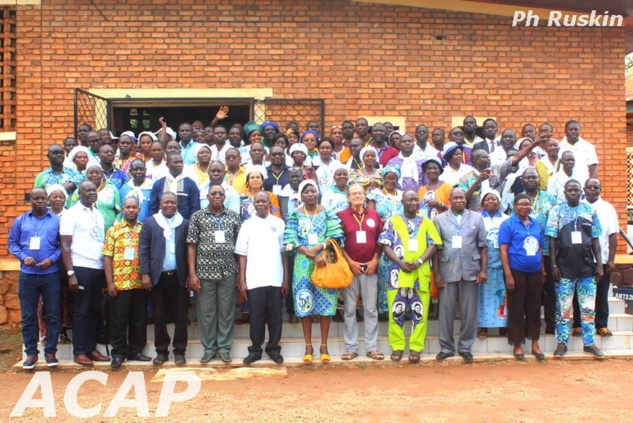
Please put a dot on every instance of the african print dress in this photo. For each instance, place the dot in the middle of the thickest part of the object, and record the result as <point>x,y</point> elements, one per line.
<point>308,231</point>
<point>493,302</point>
<point>368,182</point>
<point>387,206</point>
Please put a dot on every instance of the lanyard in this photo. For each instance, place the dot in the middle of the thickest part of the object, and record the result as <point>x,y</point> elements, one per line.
<point>34,220</point>
<point>411,227</point>
<point>218,222</point>
<point>360,165</point>
<point>277,178</point>
<point>129,232</point>
<point>360,222</point>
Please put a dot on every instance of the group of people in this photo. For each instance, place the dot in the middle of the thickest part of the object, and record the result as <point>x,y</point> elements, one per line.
<point>239,217</point>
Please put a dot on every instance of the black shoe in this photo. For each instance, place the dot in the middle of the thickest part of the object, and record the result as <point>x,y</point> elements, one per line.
<point>466,355</point>
<point>592,349</point>
<point>250,359</point>
<point>51,360</point>
<point>277,358</point>
<point>207,357</point>
<point>561,349</point>
<point>29,363</point>
<point>180,360</point>
<point>225,357</point>
<point>443,356</point>
<point>116,361</point>
<point>160,360</point>
<point>539,356</point>
<point>139,357</point>
<point>518,356</point>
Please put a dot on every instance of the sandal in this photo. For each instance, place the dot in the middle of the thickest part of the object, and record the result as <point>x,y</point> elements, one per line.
<point>350,355</point>
<point>376,355</point>
<point>483,333</point>
<point>414,357</point>
<point>396,355</point>
<point>307,358</point>
<point>325,357</point>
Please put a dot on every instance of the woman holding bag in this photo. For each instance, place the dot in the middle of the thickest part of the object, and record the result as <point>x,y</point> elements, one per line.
<point>309,230</point>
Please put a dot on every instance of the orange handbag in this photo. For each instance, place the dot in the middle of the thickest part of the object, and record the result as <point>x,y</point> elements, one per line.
<point>336,274</point>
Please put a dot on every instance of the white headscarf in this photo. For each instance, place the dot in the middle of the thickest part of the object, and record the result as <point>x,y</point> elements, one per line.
<point>367,149</point>
<point>199,146</point>
<point>305,183</point>
<point>298,147</point>
<point>257,168</point>
<point>150,134</point>
<point>56,187</point>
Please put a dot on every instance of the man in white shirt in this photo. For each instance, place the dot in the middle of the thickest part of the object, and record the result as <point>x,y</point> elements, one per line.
<point>584,152</point>
<point>263,277</point>
<point>608,244</point>
<point>422,149</point>
<point>567,171</point>
<point>219,149</point>
<point>82,237</point>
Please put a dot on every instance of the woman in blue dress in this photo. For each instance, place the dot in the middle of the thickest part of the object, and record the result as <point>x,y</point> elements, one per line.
<point>493,305</point>
<point>309,230</point>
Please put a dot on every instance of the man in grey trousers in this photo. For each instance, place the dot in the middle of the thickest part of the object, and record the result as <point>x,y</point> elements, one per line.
<point>462,263</point>
<point>213,273</point>
<point>362,228</point>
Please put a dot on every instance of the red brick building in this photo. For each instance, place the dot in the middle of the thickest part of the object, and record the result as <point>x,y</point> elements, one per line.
<point>408,64</point>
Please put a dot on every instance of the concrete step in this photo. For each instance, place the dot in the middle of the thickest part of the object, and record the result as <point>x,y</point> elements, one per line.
<point>361,361</point>
<point>295,346</point>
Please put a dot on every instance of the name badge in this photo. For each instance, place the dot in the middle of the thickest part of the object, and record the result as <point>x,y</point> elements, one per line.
<point>456,242</point>
<point>172,248</point>
<point>576,237</point>
<point>219,237</point>
<point>313,239</point>
<point>34,244</point>
<point>531,246</point>
<point>361,237</point>
<point>128,254</point>
<point>413,245</point>
<point>277,189</point>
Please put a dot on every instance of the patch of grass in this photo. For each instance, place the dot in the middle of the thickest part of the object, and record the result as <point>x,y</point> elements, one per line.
<point>11,348</point>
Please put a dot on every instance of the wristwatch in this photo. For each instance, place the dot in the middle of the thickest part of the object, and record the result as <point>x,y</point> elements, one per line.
<point>420,261</point>
<point>70,272</point>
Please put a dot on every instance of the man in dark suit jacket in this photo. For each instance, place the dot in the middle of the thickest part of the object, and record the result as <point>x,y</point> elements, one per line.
<point>163,256</point>
<point>185,188</point>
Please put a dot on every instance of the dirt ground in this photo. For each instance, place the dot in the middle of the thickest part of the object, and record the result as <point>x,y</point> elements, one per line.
<point>555,391</point>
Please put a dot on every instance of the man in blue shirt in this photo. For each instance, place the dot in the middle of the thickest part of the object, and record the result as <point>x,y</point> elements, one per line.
<point>177,182</point>
<point>574,231</point>
<point>112,174</point>
<point>34,240</point>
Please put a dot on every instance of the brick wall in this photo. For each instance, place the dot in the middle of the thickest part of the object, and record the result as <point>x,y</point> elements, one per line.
<point>362,59</point>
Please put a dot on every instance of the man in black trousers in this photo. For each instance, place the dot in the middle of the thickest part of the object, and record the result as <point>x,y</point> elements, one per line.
<point>163,255</point>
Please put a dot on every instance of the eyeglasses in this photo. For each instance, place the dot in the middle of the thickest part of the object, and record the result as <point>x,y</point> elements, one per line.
<point>277,154</point>
<point>523,205</point>
<point>216,194</point>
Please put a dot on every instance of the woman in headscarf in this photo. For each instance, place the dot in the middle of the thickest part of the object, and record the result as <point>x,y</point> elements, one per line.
<point>340,152</point>
<point>311,139</point>
<point>387,201</point>
<point>308,231</point>
<point>325,171</point>
<point>434,195</point>
<point>80,157</point>
<point>253,134</point>
<point>455,167</point>
<point>369,176</point>
<point>57,199</point>
<point>269,130</point>
<point>394,139</point>
<point>299,155</point>
<point>492,294</point>
<point>145,140</point>
<point>108,197</point>
<point>335,197</point>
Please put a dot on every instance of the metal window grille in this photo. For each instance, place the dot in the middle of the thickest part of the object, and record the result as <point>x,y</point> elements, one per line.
<point>91,109</point>
<point>7,69</point>
<point>283,111</point>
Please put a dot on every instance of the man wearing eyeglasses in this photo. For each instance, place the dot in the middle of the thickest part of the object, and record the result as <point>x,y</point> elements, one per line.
<point>213,273</point>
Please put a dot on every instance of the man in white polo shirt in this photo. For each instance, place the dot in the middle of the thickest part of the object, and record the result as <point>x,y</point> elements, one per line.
<point>82,237</point>
<point>584,152</point>
<point>263,277</point>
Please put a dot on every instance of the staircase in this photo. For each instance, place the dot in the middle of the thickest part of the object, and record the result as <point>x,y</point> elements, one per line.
<point>494,347</point>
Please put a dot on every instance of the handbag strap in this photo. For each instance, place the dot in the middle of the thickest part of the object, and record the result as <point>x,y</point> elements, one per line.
<point>336,248</point>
